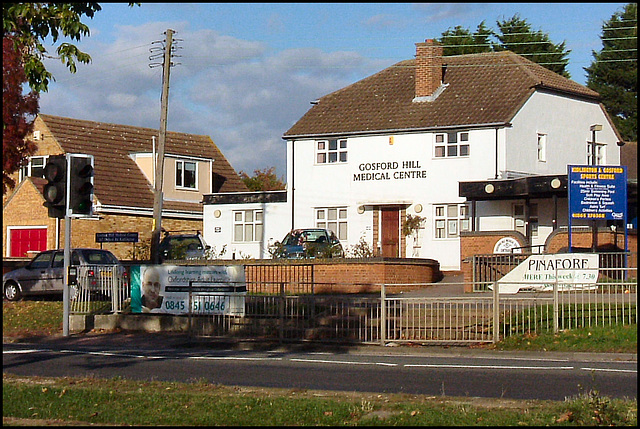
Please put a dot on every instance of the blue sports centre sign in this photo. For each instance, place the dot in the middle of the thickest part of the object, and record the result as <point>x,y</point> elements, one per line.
<point>597,192</point>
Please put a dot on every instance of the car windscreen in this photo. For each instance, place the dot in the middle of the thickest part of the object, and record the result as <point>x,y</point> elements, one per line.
<point>190,242</point>
<point>43,260</point>
<point>98,257</point>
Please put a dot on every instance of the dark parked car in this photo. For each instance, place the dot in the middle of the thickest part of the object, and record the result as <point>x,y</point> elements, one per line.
<point>183,246</point>
<point>310,243</point>
<point>44,274</point>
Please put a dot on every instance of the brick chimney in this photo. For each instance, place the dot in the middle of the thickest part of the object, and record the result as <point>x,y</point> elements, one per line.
<point>428,70</point>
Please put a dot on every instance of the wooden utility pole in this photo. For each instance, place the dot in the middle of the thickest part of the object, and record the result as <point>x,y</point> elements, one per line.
<point>158,194</point>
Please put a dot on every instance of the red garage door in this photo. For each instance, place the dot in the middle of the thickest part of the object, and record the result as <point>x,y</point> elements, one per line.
<point>23,240</point>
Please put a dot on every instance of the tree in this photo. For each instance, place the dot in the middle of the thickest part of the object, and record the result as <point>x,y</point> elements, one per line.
<point>516,35</point>
<point>25,26</point>
<point>460,41</point>
<point>18,112</point>
<point>263,180</point>
<point>30,24</point>
<point>614,70</point>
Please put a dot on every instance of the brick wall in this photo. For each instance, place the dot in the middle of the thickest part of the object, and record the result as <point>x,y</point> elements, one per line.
<point>343,276</point>
<point>26,209</point>
<point>482,243</point>
<point>30,197</point>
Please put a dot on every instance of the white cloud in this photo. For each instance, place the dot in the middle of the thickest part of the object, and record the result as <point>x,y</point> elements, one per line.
<point>233,90</point>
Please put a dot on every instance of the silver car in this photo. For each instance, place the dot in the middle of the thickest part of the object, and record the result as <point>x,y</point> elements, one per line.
<point>44,274</point>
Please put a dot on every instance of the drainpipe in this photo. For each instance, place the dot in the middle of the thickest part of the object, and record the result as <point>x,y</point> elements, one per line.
<point>293,181</point>
<point>496,172</point>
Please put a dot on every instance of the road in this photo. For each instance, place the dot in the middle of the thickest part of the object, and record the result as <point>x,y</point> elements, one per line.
<point>444,372</point>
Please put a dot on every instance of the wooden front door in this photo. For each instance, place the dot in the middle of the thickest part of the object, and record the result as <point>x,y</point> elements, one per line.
<point>390,235</point>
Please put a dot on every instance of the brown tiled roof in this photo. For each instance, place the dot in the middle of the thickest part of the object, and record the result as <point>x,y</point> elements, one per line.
<point>118,181</point>
<point>629,157</point>
<point>482,89</point>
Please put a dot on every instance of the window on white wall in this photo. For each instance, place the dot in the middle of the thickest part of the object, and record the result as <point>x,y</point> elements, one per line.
<point>451,144</point>
<point>450,219</point>
<point>247,225</point>
<point>600,154</point>
<point>520,221</point>
<point>331,151</point>
<point>186,174</point>
<point>334,219</point>
<point>542,147</point>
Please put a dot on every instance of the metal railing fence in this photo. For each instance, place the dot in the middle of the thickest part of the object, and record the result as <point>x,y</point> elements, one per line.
<point>488,269</point>
<point>99,289</point>
<point>293,311</point>
<point>387,317</point>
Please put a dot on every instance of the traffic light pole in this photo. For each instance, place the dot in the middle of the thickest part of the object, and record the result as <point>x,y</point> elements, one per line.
<point>66,298</point>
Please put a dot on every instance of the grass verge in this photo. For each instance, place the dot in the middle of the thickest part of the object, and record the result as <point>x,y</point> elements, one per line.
<point>79,401</point>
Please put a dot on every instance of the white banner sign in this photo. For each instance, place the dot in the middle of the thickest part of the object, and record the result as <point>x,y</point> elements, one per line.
<point>572,271</point>
<point>165,289</point>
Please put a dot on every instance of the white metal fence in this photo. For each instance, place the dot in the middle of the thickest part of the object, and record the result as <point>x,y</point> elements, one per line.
<point>99,289</point>
<point>392,317</point>
<point>273,311</point>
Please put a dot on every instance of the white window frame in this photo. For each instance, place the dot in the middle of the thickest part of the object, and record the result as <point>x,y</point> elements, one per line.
<point>449,220</point>
<point>180,174</point>
<point>601,158</point>
<point>334,219</point>
<point>332,151</point>
<point>451,145</point>
<point>247,226</point>
<point>27,170</point>
<point>542,147</point>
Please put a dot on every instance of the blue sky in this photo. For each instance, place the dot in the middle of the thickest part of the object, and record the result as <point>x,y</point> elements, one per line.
<point>248,71</point>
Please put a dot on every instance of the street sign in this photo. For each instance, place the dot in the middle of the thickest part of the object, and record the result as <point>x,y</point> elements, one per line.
<point>116,237</point>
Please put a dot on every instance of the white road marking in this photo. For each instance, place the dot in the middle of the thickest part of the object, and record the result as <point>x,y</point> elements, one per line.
<point>342,362</point>
<point>630,371</point>
<point>486,366</point>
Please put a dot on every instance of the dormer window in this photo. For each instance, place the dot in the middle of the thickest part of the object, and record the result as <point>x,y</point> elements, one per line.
<point>186,174</point>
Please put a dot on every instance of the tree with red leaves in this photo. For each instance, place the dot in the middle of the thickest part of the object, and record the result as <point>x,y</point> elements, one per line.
<point>263,180</point>
<point>18,113</point>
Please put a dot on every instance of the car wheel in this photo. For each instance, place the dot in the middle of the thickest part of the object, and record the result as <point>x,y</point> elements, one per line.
<point>73,292</point>
<point>12,292</point>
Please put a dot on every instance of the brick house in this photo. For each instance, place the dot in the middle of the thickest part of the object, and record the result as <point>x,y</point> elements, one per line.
<point>123,185</point>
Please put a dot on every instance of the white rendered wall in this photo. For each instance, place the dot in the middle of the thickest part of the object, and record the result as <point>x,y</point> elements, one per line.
<point>218,231</point>
<point>566,123</point>
<point>389,161</point>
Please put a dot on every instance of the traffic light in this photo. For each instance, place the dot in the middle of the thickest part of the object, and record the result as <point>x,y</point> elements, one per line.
<point>80,185</point>
<point>55,191</point>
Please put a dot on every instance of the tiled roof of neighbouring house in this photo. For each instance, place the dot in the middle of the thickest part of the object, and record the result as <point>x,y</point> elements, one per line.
<point>118,181</point>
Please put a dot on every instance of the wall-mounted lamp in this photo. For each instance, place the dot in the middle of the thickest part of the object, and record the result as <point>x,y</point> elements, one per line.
<point>593,128</point>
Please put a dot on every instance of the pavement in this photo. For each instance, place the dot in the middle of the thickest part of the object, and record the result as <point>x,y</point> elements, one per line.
<point>159,341</point>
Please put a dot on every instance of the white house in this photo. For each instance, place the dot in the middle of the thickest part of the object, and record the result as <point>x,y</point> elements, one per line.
<point>406,140</point>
